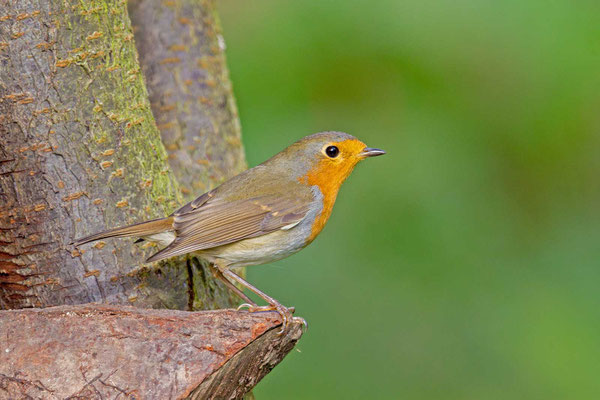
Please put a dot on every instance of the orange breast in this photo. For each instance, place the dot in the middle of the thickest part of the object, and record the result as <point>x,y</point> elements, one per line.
<point>329,192</point>
<point>328,176</point>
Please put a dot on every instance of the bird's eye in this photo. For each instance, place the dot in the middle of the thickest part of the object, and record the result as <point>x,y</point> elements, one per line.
<point>332,151</point>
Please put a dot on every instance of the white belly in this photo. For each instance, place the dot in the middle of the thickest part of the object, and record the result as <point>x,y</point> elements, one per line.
<point>259,250</point>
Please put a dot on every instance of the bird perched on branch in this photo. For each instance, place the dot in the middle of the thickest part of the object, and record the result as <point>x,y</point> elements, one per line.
<point>262,215</point>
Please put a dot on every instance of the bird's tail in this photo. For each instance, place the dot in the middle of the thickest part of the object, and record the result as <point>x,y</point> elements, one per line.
<point>147,228</point>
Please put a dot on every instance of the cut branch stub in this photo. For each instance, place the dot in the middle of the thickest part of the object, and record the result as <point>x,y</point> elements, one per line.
<point>97,351</point>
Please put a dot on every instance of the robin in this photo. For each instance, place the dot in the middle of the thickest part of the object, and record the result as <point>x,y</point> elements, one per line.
<point>262,215</point>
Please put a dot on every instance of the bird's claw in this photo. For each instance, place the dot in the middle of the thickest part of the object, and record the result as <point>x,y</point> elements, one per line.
<point>244,305</point>
<point>300,320</point>
<point>254,308</point>
<point>287,319</point>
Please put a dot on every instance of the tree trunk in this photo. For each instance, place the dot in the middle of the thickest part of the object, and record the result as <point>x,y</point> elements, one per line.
<point>81,153</point>
<point>190,92</point>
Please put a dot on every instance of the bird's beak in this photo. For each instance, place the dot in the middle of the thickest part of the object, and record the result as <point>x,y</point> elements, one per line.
<point>369,152</point>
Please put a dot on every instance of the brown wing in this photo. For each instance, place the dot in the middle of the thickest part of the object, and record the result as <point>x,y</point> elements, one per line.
<point>210,222</point>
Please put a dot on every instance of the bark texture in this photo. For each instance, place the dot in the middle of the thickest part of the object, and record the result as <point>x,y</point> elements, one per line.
<point>99,352</point>
<point>183,59</point>
<point>79,153</point>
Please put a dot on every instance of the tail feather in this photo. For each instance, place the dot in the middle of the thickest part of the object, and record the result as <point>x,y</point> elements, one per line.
<point>140,229</point>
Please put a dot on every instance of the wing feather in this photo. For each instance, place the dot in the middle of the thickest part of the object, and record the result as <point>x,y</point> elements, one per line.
<point>210,222</point>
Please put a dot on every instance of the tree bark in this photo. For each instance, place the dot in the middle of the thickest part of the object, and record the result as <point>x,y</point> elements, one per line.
<point>79,153</point>
<point>99,352</point>
<point>182,56</point>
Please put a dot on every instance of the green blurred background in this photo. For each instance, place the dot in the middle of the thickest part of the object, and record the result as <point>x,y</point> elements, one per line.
<point>464,264</point>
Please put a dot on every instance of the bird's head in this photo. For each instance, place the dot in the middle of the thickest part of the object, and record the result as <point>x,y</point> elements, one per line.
<point>330,157</point>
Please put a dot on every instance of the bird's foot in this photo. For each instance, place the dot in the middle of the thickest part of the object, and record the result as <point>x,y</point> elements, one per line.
<point>286,314</point>
<point>254,308</point>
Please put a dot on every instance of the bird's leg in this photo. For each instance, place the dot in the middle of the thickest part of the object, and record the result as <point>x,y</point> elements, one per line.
<point>286,313</point>
<point>219,275</point>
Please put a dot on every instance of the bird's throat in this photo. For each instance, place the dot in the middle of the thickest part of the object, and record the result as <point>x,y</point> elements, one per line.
<point>328,180</point>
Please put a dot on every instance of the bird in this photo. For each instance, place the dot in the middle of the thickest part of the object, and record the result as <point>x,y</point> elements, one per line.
<point>261,215</point>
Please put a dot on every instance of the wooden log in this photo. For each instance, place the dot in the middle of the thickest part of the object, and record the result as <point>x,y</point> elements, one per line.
<point>98,351</point>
